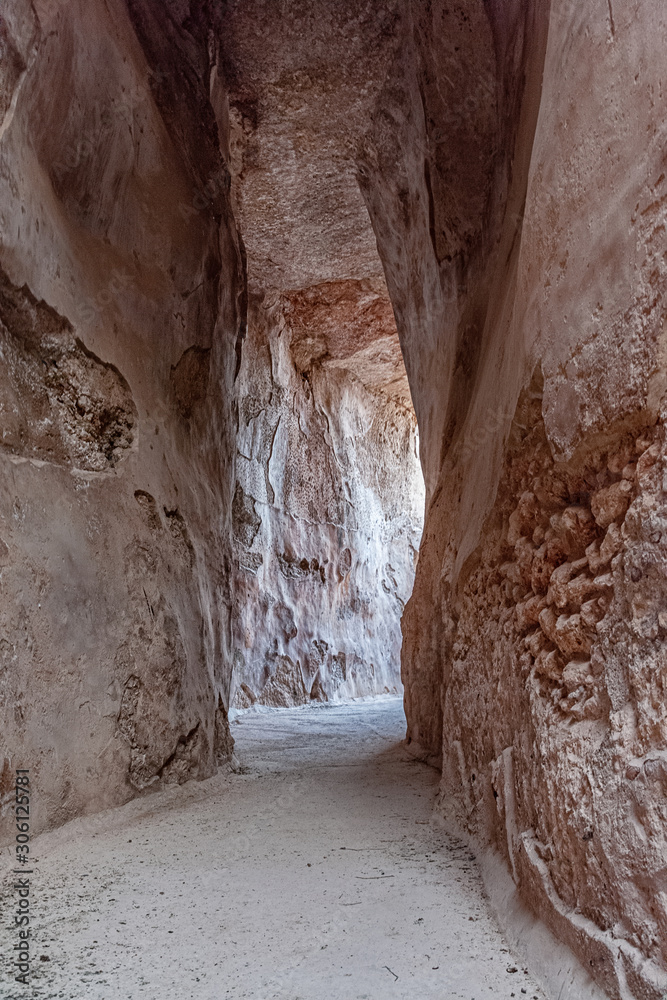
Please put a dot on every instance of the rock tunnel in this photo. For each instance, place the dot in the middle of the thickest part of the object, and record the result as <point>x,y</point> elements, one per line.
<point>282,286</point>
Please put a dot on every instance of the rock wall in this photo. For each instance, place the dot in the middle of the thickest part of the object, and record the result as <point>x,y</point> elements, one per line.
<point>120,303</point>
<point>515,177</point>
<point>327,519</point>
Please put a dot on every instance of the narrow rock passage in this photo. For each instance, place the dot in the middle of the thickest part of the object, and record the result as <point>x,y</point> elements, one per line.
<point>314,874</point>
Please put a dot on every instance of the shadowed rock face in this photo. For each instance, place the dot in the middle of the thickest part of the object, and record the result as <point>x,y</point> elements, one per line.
<point>222,265</point>
<point>119,311</point>
<point>130,511</point>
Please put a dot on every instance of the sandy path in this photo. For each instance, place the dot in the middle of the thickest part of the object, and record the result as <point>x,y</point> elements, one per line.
<point>313,875</point>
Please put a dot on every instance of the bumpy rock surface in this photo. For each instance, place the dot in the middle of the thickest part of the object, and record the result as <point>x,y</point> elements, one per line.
<point>327,520</point>
<point>129,512</point>
<point>519,200</point>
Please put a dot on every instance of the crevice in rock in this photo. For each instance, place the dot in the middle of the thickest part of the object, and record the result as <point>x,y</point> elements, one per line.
<point>59,403</point>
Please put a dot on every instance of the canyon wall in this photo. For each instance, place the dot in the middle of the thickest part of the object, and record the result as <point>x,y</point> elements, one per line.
<point>515,176</point>
<point>121,299</point>
<point>327,512</point>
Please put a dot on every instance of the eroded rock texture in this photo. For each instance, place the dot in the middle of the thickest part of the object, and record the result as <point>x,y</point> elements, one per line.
<point>327,519</point>
<point>134,137</point>
<point>119,311</point>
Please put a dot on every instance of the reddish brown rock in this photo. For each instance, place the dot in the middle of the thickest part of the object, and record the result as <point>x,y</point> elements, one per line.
<point>611,503</point>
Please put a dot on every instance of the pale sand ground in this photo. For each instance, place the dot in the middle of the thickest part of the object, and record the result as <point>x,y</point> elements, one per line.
<point>313,875</point>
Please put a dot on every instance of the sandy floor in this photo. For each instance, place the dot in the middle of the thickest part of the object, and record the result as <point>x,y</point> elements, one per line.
<point>312,875</point>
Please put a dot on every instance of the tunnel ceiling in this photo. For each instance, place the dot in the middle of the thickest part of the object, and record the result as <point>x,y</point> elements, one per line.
<point>303,82</point>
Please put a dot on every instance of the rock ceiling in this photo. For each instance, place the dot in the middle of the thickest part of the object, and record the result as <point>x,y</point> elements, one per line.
<point>303,83</point>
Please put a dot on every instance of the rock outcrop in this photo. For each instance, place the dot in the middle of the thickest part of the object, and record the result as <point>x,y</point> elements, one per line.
<point>154,566</point>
